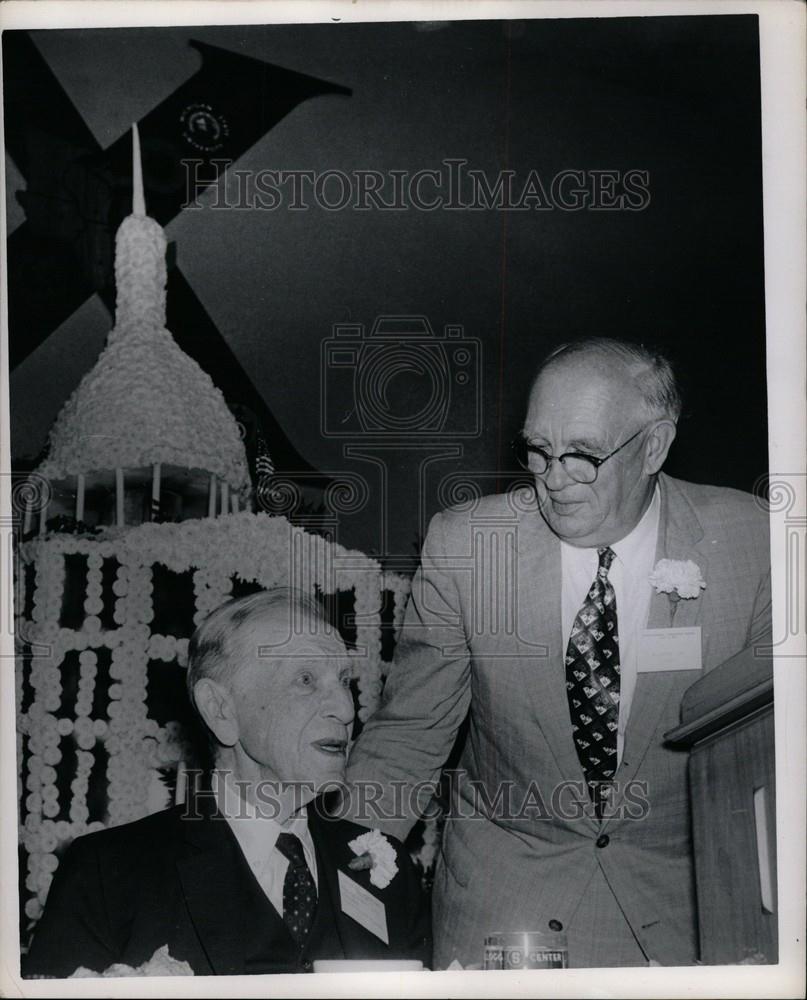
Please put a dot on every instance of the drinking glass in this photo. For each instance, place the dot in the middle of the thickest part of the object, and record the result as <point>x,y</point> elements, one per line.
<point>526,950</point>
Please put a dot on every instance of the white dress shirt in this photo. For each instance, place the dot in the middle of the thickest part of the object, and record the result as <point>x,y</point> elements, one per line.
<point>635,558</point>
<point>257,837</point>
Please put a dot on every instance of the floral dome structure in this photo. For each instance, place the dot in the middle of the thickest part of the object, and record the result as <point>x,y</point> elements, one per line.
<point>139,524</point>
<point>146,410</point>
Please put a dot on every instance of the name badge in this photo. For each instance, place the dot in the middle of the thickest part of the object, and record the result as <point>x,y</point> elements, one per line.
<point>363,907</point>
<point>669,649</point>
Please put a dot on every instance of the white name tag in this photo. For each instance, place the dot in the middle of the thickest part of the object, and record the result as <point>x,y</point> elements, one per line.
<point>669,649</point>
<point>363,907</point>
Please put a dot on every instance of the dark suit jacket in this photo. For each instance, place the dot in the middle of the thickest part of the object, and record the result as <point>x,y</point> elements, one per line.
<point>121,893</point>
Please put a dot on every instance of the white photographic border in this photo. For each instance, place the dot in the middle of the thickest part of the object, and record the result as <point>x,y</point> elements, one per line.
<point>782,54</point>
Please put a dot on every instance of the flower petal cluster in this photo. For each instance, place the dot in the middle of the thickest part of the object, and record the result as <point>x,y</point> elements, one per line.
<point>679,577</point>
<point>382,855</point>
<point>160,964</point>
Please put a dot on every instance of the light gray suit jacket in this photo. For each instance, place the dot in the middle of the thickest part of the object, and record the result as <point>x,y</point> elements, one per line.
<point>482,635</point>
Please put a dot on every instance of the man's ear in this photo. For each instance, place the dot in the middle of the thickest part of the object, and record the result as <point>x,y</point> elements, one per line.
<point>657,445</point>
<point>216,706</point>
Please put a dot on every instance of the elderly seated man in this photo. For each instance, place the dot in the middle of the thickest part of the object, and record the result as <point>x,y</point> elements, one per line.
<point>251,875</point>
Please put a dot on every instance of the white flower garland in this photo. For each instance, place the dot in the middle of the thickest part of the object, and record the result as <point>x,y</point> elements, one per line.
<point>368,641</point>
<point>21,731</point>
<point>254,547</point>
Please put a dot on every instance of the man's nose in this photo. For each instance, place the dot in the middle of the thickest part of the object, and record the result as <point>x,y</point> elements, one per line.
<point>556,476</point>
<point>339,704</point>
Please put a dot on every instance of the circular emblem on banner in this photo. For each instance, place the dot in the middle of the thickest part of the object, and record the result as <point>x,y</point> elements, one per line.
<point>203,128</point>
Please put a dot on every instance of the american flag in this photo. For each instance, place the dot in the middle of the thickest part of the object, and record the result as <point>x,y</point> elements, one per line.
<point>264,473</point>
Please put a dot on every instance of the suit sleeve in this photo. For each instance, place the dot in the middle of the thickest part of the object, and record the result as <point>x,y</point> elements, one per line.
<point>426,697</point>
<point>755,655</point>
<point>759,634</point>
<point>413,934</point>
<point>760,630</point>
<point>74,929</point>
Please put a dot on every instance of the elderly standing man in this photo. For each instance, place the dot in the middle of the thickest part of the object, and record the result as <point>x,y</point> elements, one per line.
<point>534,620</point>
<point>251,875</point>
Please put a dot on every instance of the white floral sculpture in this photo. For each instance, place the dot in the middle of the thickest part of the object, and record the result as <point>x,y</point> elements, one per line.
<point>111,641</point>
<point>145,401</point>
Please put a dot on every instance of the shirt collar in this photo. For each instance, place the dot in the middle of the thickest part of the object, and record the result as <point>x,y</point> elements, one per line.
<point>251,821</point>
<point>644,535</point>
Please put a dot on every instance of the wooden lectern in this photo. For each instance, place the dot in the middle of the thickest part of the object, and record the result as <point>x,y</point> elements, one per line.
<point>727,723</point>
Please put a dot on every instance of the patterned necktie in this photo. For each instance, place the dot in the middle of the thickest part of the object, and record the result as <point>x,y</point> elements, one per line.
<point>299,889</point>
<point>592,682</point>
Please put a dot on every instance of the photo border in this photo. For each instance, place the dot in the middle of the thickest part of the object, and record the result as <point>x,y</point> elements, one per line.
<point>782,56</point>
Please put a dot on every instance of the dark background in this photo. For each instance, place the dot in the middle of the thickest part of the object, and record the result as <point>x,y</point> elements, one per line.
<point>677,97</point>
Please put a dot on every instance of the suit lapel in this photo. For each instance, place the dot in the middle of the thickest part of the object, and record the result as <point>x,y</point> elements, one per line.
<point>331,838</point>
<point>229,910</point>
<point>679,533</point>
<point>326,874</point>
<point>541,646</point>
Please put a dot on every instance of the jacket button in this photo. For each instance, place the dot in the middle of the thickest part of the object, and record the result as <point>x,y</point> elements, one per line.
<point>307,965</point>
<point>555,925</point>
<point>603,840</point>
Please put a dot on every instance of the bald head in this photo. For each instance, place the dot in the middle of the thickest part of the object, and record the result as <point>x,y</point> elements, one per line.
<point>646,375</point>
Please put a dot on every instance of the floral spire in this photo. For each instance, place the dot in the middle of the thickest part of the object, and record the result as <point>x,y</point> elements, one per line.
<point>145,402</point>
<point>140,271</point>
<point>138,198</point>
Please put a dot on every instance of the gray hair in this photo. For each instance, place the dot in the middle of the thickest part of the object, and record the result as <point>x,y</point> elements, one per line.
<point>652,372</point>
<point>211,651</point>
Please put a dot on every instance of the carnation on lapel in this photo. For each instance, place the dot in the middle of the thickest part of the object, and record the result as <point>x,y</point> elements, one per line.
<point>376,853</point>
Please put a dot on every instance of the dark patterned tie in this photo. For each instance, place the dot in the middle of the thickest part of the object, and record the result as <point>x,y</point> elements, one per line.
<point>299,889</point>
<point>592,682</point>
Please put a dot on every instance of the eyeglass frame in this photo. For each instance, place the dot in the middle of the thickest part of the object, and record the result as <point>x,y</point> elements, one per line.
<point>594,460</point>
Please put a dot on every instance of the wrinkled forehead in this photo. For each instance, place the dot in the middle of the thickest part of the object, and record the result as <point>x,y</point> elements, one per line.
<point>282,637</point>
<point>585,389</point>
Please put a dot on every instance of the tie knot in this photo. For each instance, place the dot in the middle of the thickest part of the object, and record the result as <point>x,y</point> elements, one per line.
<point>291,847</point>
<point>607,556</point>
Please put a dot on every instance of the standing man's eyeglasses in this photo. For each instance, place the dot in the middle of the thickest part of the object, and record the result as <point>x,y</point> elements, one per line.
<point>581,467</point>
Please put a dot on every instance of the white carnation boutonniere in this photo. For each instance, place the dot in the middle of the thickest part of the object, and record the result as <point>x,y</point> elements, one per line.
<point>679,579</point>
<point>376,853</point>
